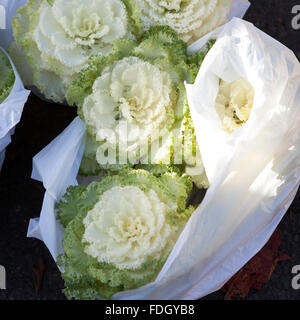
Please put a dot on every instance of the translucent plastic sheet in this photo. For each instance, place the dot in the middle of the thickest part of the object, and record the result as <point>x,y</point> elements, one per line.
<point>11,110</point>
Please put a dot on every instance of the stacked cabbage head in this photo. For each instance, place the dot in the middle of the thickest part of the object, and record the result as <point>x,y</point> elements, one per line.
<point>7,77</point>
<point>59,36</point>
<point>134,104</point>
<point>120,231</point>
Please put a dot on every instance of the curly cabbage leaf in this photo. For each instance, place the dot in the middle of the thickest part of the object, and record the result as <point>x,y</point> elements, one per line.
<point>7,77</point>
<point>56,39</point>
<point>191,19</point>
<point>120,231</point>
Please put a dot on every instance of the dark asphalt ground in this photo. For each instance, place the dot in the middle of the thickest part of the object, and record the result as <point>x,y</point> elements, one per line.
<point>21,198</point>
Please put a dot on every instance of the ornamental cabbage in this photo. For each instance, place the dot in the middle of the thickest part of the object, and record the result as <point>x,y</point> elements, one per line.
<point>7,77</point>
<point>126,91</point>
<point>134,103</point>
<point>120,231</point>
<point>59,36</point>
<point>191,19</point>
<point>234,103</point>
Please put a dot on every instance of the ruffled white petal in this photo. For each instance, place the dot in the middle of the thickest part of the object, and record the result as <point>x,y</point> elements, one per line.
<point>234,103</point>
<point>127,227</point>
<point>70,31</point>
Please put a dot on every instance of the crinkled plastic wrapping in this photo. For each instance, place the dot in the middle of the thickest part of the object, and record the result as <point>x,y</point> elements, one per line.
<point>238,9</point>
<point>254,172</point>
<point>15,102</point>
<point>11,110</point>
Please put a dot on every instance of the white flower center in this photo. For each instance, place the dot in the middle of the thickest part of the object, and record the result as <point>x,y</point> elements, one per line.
<point>234,103</point>
<point>86,27</point>
<point>127,227</point>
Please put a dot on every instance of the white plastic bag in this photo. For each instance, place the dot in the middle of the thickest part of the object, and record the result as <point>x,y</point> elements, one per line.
<point>10,111</point>
<point>254,172</point>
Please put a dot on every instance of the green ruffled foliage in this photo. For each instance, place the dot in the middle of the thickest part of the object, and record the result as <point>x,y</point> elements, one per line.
<point>7,77</point>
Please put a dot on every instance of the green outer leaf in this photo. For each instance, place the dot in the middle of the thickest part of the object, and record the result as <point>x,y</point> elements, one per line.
<point>160,169</point>
<point>89,167</point>
<point>135,21</point>
<point>7,77</point>
<point>75,198</point>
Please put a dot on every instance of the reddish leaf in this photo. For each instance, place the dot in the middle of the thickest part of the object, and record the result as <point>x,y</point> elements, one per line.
<point>257,271</point>
<point>39,271</point>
